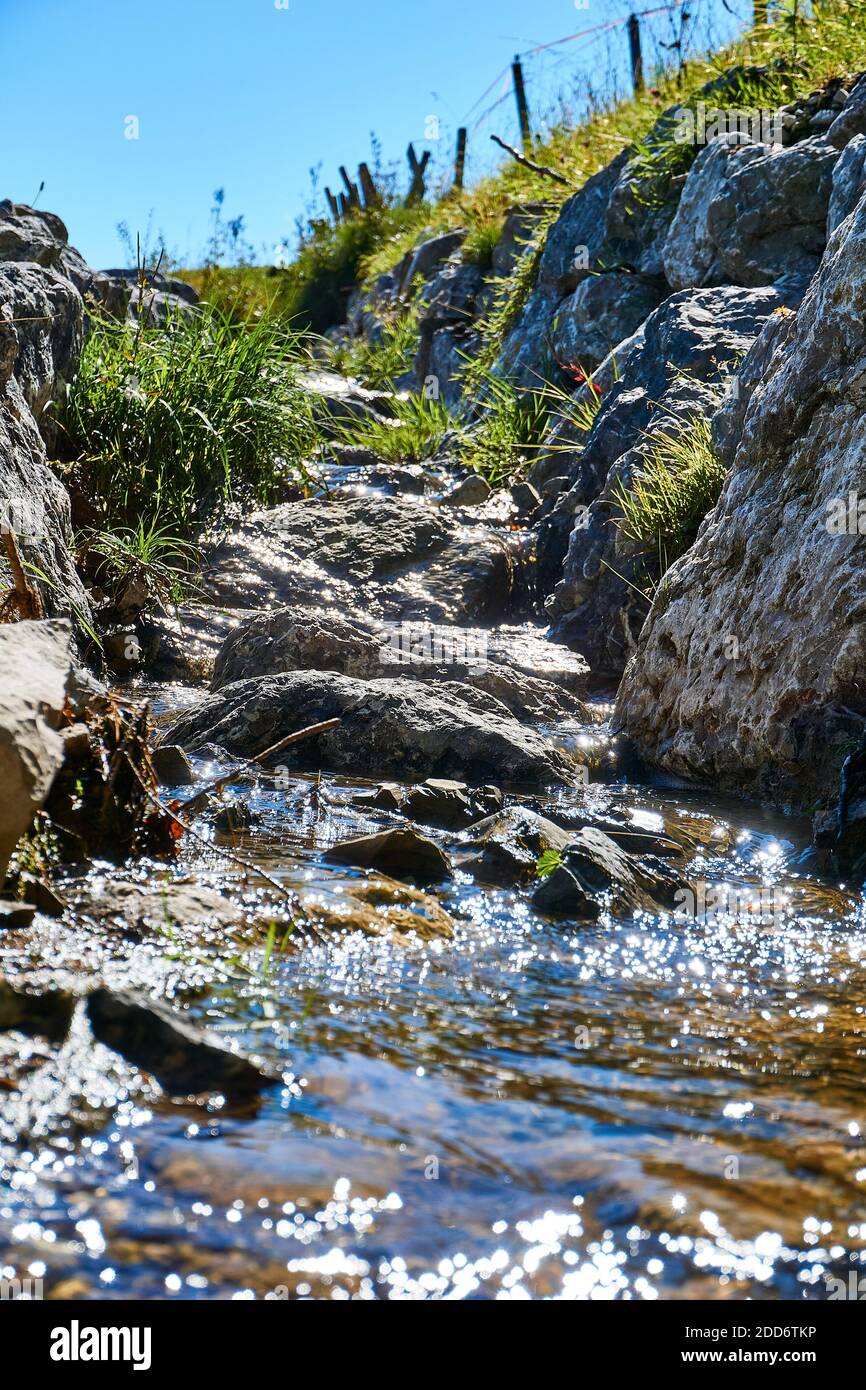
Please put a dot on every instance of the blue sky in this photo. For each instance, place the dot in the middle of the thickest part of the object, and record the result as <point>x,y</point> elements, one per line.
<point>248,96</point>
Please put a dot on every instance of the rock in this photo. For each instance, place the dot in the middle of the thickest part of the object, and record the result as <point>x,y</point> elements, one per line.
<point>234,816</point>
<point>598,866</point>
<point>851,120</point>
<point>445,323</point>
<point>414,561</point>
<point>47,1015</point>
<point>172,766</point>
<point>34,666</point>
<point>675,370</point>
<point>403,853</point>
<point>849,182</point>
<point>525,498</point>
<point>290,639</point>
<point>846,826</point>
<point>48,316</point>
<point>602,312</point>
<point>443,802</point>
<point>184,1059</point>
<point>141,911</point>
<point>560,894</point>
<point>34,505</point>
<point>510,844</point>
<point>396,728</point>
<point>471,492</point>
<point>388,797</point>
<point>751,213</point>
<point>518,226</point>
<point>14,913</point>
<point>749,670</point>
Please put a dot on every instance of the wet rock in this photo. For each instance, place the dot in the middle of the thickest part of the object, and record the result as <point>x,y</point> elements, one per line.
<point>48,317</point>
<point>561,894</point>
<point>142,911</point>
<point>14,913</point>
<point>184,1059</point>
<point>675,370</point>
<point>398,728</point>
<point>413,561</point>
<point>388,797</point>
<point>172,766</point>
<point>525,498</point>
<point>342,399</point>
<point>443,802</point>
<point>600,866</point>
<point>471,492</point>
<point>750,213</point>
<point>234,816</point>
<point>47,1015</point>
<point>510,844</point>
<point>35,661</point>
<point>498,666</point>
<point>777,566</point>
<point>403,853</point>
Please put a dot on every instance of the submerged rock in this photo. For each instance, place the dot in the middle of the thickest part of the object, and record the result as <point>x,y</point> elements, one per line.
<point>396,728</point>
<point>172,766</point>
<point>47,1015</point>
<point>399,852</point>
<point>184,1059</point>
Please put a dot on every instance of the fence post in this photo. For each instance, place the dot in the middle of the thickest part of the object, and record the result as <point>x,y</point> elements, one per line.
<point>634,49</point>
<point>353,199</point>
<point>522,108</point>
<point>368,187</point>
<point>417,166</point>
<point>460,158</point>
<point>333,205</point>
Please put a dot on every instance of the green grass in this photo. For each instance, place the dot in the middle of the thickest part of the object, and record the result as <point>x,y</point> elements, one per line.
<point>147,555</point>
<point>421,424</point>
<point>163,426</point>
<point>673,491</point>
<point>509,434</point>
<point>377,363</point>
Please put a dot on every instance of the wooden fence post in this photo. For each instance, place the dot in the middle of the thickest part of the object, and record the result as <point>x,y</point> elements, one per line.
<point>460,158</point>
<point>368,187</point>
<point>333,205</point>
<point>353,199</point>
<point>634,50</point>
<point>417,166</point>
<point>522,108</point>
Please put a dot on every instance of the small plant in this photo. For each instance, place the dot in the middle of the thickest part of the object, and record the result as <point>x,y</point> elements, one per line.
<point>377,363</point>
<point>419,426</point>
<point>147,555</point>
<point>510,432</point>
<point>548,861</point>
<point>672,492</point>
<point>167,423</point>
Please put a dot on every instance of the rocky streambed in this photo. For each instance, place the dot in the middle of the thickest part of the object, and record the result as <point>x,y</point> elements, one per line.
<point>443,1000</point>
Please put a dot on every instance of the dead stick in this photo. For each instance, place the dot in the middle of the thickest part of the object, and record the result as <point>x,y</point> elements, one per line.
<point>309,732</point>
<point>201,798</point>
<point>530,163</point>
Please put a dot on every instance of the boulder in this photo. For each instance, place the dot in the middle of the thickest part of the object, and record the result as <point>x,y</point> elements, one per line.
<point>751,213</point>
<point>851,120</point>
<point>139,911</point>
<point>185,1059</point>
<point>508,845</point>
<point>47,314</point>
<point>849,182</point>
<point>172,766</point>
<point>602,312</point>
<point>593,866</point>
<point>292,639</point>
<point>748,672</point>
<point>35,662</point>
<point>674,370</point>
<point>402,853</point>
<point>414,561</point>
<point>395,728</point>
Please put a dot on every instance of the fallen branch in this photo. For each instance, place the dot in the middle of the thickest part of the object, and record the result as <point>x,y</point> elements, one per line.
<point>200,800</point>
<point>530,163</point>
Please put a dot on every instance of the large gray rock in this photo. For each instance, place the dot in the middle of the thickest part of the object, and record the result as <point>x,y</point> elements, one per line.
<point>409,559</point>
<point>47,314</point>
<point>295,640</point>
<point>393,728</point>
<point>34,506</point>
<point>28,234</point>
<point>849,182</point>
<point>35,662</point>
<point>851,120</point>
<point>674,371</point>
<point>749,214</point>
<point>749,669</point>
<point>602,312</point>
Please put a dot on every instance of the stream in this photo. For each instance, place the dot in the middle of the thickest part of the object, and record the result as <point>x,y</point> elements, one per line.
<point>650,1106</point>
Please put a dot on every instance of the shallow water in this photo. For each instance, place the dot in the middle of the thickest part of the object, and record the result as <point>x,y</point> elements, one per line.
<point>647,1107</point>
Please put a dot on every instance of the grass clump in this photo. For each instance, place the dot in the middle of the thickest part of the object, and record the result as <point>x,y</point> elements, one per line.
<point>510,432</point>
<point>164,425</point>
<point>673,491</point>
<point>419,426</point>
